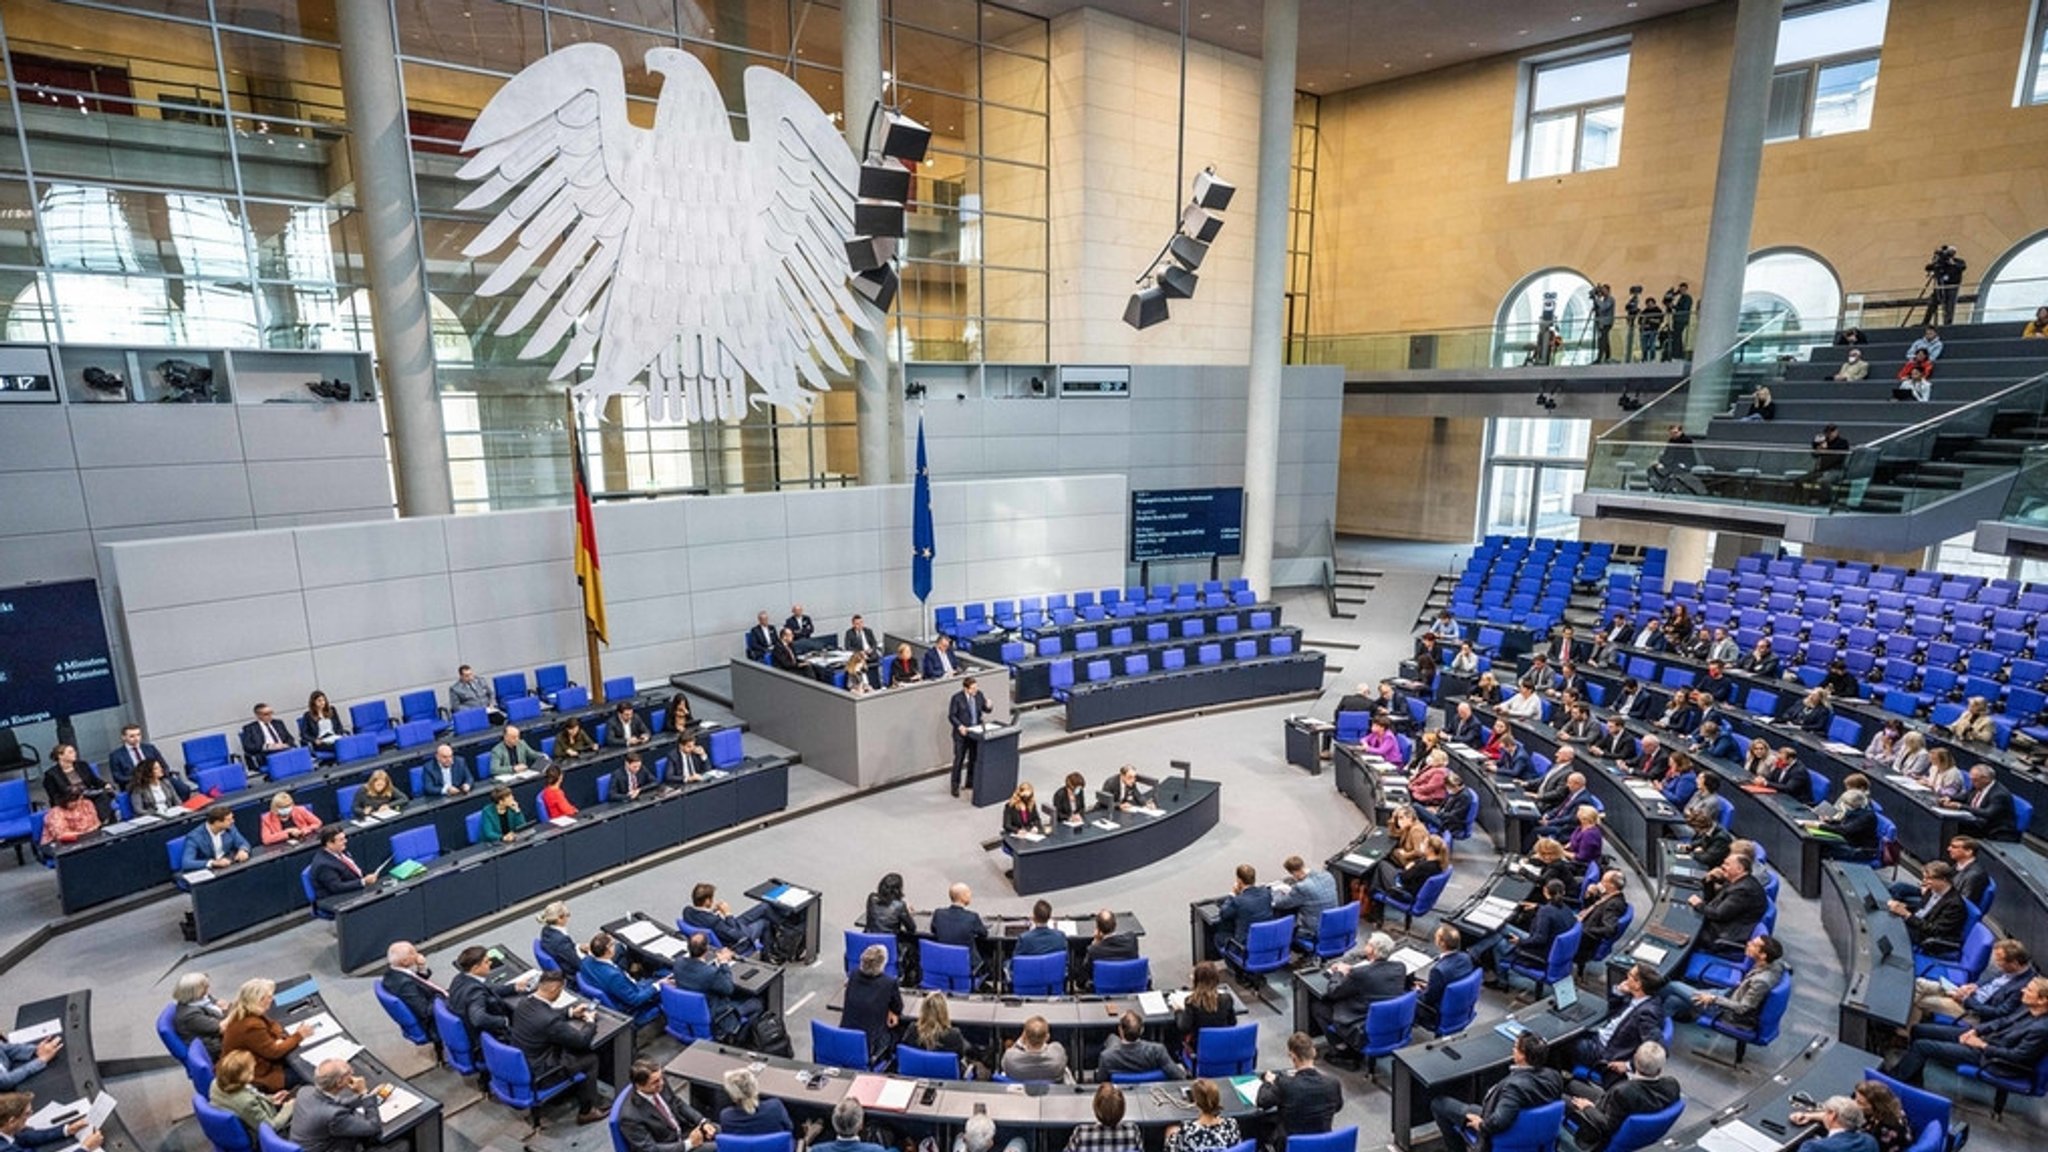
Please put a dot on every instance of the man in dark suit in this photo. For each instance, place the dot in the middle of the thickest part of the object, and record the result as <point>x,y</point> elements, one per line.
<point>129,755</point>
<point>1127,1052</point>
<point>1616,744</point>
<point>1306,1099</point>
<point>337,1112</point>
<point>216,844</point>
<point>802,632</point>
<point>264,735</point>
<point>483,1007</point>
<point>1600,919</point>
<point>1560,820</point>
<point>1936,926</point>
<point>960,925</point>
<point>1649,761</point>
<point>1636,1017</point>
<point>1110,944</point>
<point>1716,682</point>
<point>1635,701</point>
<point>334,872</point>
<point>2012,1045</point>
<point>938,659</point>
<point>1354,989</point>
<point>604,971</point>
<point>1528,1084</point>
<point>1761,661</point>
<point>1712,741</point>
<point>967,709</point>
<point>1991,802</point>
<point>1249,903</point>
<point>407,977</point>
<point>861,638</point>
<point>707,913</point>
<point>1646,1090</point>
<point>1361,700</point>
<point>627,728</point>
<point>654,1119</point>
<point>761,637</point>
<point>1041,939</point>
<point>1122,790</point>
<point>1553,918</point>
<point>1569,682</point>
<point>1469,730</point>
<point>1564,648</point>
<point>1731,904</point>
<point>1514,762</point>
<point>1452,964</point>
<point>630,778</point>
<point>557,1043</point>
<point>783,655</point>
<point>1457,808</point>
<point>707,971</point>
<point>1841,1121</point>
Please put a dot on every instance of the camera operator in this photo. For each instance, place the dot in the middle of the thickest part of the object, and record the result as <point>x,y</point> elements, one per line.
<point>1679,302</point>
<point>1651,323</point>
<point>1603,324</point>
<point>1633,311</point>
<point>1945,280</point>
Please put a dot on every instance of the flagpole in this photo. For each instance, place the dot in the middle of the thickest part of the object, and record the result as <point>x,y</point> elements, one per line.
<point>575,466</point>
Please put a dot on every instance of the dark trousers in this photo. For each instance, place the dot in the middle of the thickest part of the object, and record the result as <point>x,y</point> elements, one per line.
<point>1936,1042</point>
<point>1449,1113</point>
<point>1603,343</point>
<point>964,756</point>
<point>1943,301</point>
<point>573,1063</point>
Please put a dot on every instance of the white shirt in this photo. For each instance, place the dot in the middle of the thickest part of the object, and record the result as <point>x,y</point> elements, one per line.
<point>1523,706</point>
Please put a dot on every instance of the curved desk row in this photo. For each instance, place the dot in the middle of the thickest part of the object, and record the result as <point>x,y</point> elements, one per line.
<point>1034,675</point>
<point>1762,1120</point>
<point>990,646</point>
<point>1080,1023</point>
<point>1874,952</point>
<point>1469,1063</point>
<point>75,1075</point>
<point>412,1120</point>
<point>472,881</point>
<point>1196,686</point>
<point>1070,856</point>
<point>2021,909</point>
<point>1040,1114</point>
<point>1504,813</point>
<point>1004,932</point>
<point>107,866</point>
<point>1665,933</point>
<point>1636,821</point>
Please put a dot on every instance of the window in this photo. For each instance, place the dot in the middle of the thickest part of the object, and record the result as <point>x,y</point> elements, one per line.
<point>1573,123</point>
<point>1826,79</point>
<point>1533,469</point>
<point>2034,65</point>
<point>1522,330</point>
<point>2016,285</point>
<point>1794,284</point>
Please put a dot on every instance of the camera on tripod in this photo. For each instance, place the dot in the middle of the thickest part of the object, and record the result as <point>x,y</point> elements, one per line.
<point>1549,315</point>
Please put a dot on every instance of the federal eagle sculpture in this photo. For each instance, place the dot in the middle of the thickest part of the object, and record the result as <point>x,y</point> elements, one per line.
<point>676,251</point>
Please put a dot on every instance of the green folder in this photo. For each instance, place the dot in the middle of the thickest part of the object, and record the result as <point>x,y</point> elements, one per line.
<point>406,869</point>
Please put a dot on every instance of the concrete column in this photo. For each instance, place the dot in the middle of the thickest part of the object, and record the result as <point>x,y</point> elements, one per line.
<point>1686,556</point>
<point>397,269</point>
<point>1269,290</point>
<point>860,67</point>
<point>1742,155</point>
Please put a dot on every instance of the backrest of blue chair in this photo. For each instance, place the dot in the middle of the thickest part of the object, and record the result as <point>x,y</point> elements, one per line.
<point>14,799</point>
<point>288,763</point>
<point>688,1013</point>
<point>1268,943</point>
<point>415,733</point>
<point>924,1063</point>
<point>1563,950</point>
<point>1922,1107</point>
<point>508,686</point>
<point>1337,930</point>
<point>408,1024</point>
<point>1773,1011</point>
<point>840,1047</point>
<point>1460,1004</point>
<point>1043,975</point>
<point>1227,1051</point>
<point>619,688</point>
<point>470,720</point>
<point>520,709</point>
<point>2023,813</point>
<point>767,1142</point>
<point>1388,1023</point>
<point>1351,726</point>
<point>1433,890</point>
<point>1819,784</point>
<point>224,779</point>
<point>1339,1140</point>
<point>611,1124</point>
<point>1535,1130</point>
<point>205,751</point>
<point>199,1065</point>
<point>1122,977</point>
<point>857,942</point>
<point>267,1140</point>
<point>1209,654</point>
<point>1642,1130</point>
<point>167,1032</point>
<point>551,679</point>
<point>511,1078</point>
<point>1173,659</point>
<point>947,967</point>
<point>174,848</point>
<point>726,748</point>
<point>420,705</point>
<point>223,1128</point>
<point>473,824</point>
<point>369,715</point>
<point>359,746</point>
<point>457,1046</point>
<point>423,843</point>
<point>1137,664</point>
<point>571,698</point>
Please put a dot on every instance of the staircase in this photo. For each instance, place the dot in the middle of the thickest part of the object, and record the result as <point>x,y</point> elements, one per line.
<point>1349,588</point>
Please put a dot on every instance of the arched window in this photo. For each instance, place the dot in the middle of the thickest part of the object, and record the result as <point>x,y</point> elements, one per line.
<point>1519,330</point>
<point>2017,283</point>
<point>1795,284</point>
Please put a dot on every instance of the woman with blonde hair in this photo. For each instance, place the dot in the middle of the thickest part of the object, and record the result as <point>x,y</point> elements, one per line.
<point>1588,840</point>
<point>234,1090</point>
<point>378,796</point>
<point>1408,834</point>
<point>287,820</point>
<point>250,1029</point>
<point>555,942</point>
<point>1021,814</point>
<point>1911,759</point>
<point>749,1114</point>
<point>935,1031</point>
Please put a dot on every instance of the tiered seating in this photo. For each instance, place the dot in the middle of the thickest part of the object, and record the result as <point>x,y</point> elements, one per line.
<point>1922,643</point>
<point>1026,615</point>
<point>1516,582</point>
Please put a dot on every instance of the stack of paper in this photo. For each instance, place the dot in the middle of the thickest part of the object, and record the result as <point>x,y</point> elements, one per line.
<point>1357,861</point>
<point>1152,1003</point>
<point>666,947</point>
<point>1737,1137</point>
<point>1492,912</point>
<point>397,1104</point>
<point>1247,1089</point>
<point>792,896</point>
<point>324,1027</point>
<point>1649,953</point>
<point>1410,959</point>
<point>339,1048</point>
<point>35,1032</point>
<point>638,931</point>
<point>1029,837</point>
<point>1106,825</point>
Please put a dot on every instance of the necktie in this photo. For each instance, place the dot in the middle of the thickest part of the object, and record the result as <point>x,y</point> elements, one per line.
<point>973,712</point>
<point>1978,801</point>
<point>352,864</point>
<point>665,1113</point>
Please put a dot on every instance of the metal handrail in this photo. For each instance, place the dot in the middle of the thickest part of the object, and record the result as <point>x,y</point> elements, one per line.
<point>1686,381</point>
<point>1943,417</point>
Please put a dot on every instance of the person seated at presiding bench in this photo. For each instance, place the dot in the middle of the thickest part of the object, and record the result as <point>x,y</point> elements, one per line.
<point>903,667</point>
<point>1601,1112</point>
<point>761,637</point>
<point>379,797</point>
<point>802,629</point>
<point>938,659</point>
<point>707,913</point>
<point>1127,1052</point>
<point>502,817</point>
<point>1070,805</point>
<point>264,735</point>
<point>334,872</point>
<point>215,844</point>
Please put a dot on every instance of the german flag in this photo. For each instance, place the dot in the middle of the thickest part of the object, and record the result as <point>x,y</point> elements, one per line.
<point>588,577</point>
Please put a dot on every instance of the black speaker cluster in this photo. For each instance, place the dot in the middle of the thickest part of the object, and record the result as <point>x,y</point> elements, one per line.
<point>1172,275</point>
<point>878,215</point>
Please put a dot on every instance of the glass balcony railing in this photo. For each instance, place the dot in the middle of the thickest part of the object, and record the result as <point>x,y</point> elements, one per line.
<point>2028,503</point>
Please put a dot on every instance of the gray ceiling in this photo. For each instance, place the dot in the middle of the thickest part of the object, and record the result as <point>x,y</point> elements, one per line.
<point>1348,43</point>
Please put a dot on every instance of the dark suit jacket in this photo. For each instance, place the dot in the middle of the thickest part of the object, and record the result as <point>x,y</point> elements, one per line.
<point>548,1036</point>
<point>58,789</point>
<point>616,732</point>
<point>609,978</point>
<point>1365,985</point>
<point>1457,806</point>
<point>1938,924</point>
<point>1614,745</point>
<point>1117,793</point>
<point>484,1007</point>
<point>714,983</point>
<point>343,1123</point>
<point>1552,920</point>
<point>1639,1023</point>
<point>1722,688</point>
<point>1115,946</point>
<point>2016,1044</point>
<point>1632,1097</point>
<point>1523,1088</point>
<point>622,783</point>
<point>414,993</point>
<point>1971,882</point>
<point>1997,819</point>
<point>1567,810</point>
<point>561,948</point>
<point>868,1002</point>
<point>1793,781</point>
<point>1449,968</point>
<point>1602,919</point>
<point>646,1129</point>
<point>121,763</point>
<point>253,739</point>
<point>954,924</point>
<point>1041,940</point>
<point>1306,1098</point>
<point>2006,1002</point>
<point>1471,732</point>
<point>1516,765</point>
<point>331,877</point>
<point>309,728</point>
<point>1721,747</point>
<point>959,714</point>
<point>933,669</point>
<point>1732,914</point>
<point>760,639</point>
<point>1252,906</point>
<point>784,657</point>
<point>1767,667</point>
<point>1639,706</point>
<point>199,847</point>
<point>722,929</point>
<point>1067,804</point>
<point>800,627</point>
<point>1136,1056</point>
<point>859,640</point>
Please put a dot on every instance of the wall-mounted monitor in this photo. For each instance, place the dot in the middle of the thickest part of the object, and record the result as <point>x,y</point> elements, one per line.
<point>53,653</point>
<point>1186,523</point>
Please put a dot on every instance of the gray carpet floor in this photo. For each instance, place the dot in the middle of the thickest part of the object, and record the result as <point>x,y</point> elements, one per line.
<point>1270,811</point>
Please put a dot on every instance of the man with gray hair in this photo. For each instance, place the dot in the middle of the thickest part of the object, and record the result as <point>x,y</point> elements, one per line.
<point>1600,1113</point>
<point>979,1135</point>
<point>1842,1118</point>
<point>337,1112</point>
<point>847,1120</point>
<point>407,981</point>
<point>1354,989</point>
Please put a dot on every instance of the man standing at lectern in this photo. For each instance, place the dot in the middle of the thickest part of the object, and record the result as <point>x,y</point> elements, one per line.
<point>967,709</point>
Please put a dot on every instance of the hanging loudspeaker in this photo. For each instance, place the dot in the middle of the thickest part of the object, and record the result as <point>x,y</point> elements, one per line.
<point>884,180</point>
<point>904,138</point>
<point>1202,225</point>
<point>1187,251</point>
<point>1146,308</point>
<point>866,252</point>
<point>1177,282</point>
<point>878,218</point>
<point>1212,191</point>
<point>878,285</point>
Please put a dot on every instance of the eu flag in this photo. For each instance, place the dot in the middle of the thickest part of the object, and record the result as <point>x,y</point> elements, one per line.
<point>921,545</point>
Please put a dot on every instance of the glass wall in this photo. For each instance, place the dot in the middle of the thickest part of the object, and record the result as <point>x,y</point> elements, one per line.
<point>178,173</point>
<point>1533,469</point>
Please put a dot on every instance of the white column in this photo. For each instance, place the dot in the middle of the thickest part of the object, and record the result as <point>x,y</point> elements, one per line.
<point>860,67</point>
<point>399,316</point>
<point>1735,182</point>
<point>1269,290</point>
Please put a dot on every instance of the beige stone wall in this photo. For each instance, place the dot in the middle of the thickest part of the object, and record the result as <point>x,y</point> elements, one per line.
<point>1418,226</point>
<point>1409,478</point>
<point>1114,200</point>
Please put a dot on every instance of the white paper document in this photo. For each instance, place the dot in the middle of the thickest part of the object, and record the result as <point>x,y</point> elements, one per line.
<point>793,896</point>
<point>197,876</point>
<point>565,1001</point>
<point>1492,912</point>
<point>638,931</point>
<point>56,1114</point>
<point>1357,861</point>
<point>1152,1003</point>
<point>1649,953</point>
<point>1410,959</point>
<point>562,821</point>
<point>397,1104</point>
<point>666,947</point>
<point>102,1111</point>
<point>1908,783</point>
<point>35,1032</point>
<point>895,1095</point>
<point>339,1048</point>
<point>1029,837</point>
<point>1841,749</point>
<point>1737,1136</point>
<point>324,1025</point>
<point>1106,825</point>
